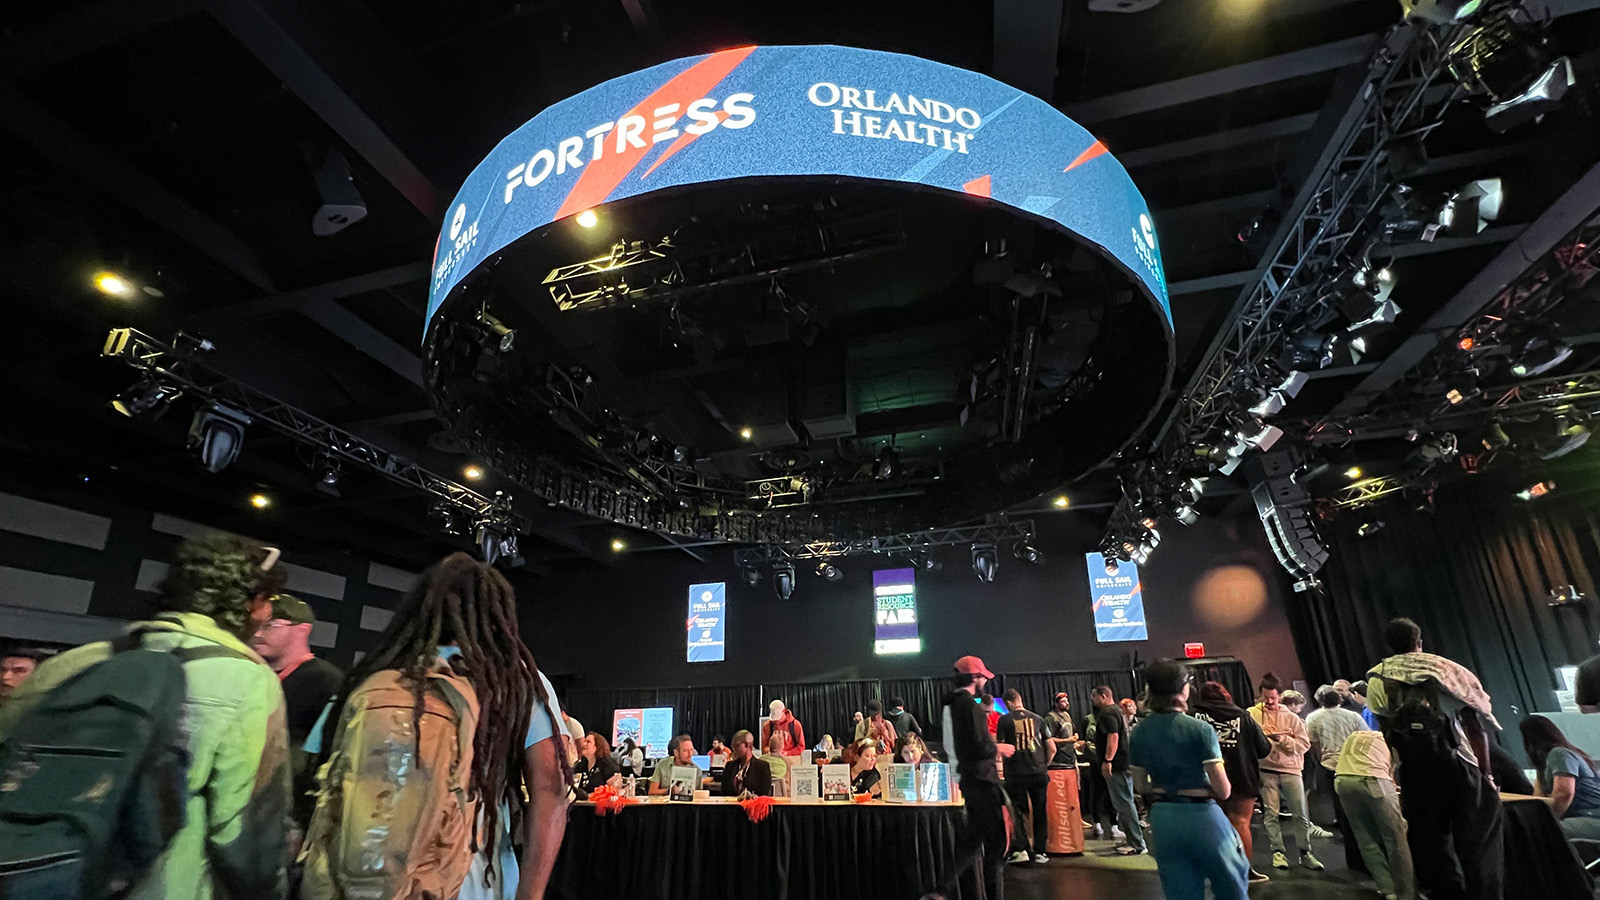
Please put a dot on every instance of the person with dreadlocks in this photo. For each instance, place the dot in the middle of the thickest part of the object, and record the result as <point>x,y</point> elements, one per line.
<point>452,679</point>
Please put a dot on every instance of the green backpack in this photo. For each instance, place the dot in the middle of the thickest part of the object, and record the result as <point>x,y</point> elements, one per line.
<point>93,780</point>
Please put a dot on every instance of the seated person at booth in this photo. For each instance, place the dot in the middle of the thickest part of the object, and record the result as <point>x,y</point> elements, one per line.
<point>680,752</point>
<point>1566,775</point>
<point>911,750</point>
<point>745,770</point>
<point>827,747</point>
<point>864,775</point>
<point>595,765</point>
<point>775,759</point>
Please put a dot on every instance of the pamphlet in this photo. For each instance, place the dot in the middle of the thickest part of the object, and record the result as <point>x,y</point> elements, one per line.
<point>902,783</point>
<point>933,782</point>
<point>685,781</point>
<point>804,786</point>
<point>835,782</point>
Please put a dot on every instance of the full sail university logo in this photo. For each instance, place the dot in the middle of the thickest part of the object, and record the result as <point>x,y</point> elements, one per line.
<point>462,238</point>
<point>1144,244</point>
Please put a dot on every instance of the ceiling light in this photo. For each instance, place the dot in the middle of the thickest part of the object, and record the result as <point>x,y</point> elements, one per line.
<point>751,574</point>
<point>588,219</point>
<point>112,284</point>
<point>1497,438</point>
<point>985,562</point>
<point>828,571</point>
<point>1186,515</point>
<point>217,433</point>
<point>472,473</point>
<point>747,433</point>
<point>1441,12</point>
<point>1535,491</point>
<point>1570,435</point>
<point>1353,473</point>
<point>1466,343</point>
<point>617,545</point>
<point>1061,501</point>
<point>1027,552</point>
<point>1370,527</point>
<point>260,501</point>
<point>143,397</point>
<point>783,579</point>
<point>1111,562</point>
<point>1539,354</point>
<point>1507,60</point>
<point>1566,595</point>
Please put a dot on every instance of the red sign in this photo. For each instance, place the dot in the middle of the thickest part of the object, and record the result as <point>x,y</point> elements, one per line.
<point>1194,650</point>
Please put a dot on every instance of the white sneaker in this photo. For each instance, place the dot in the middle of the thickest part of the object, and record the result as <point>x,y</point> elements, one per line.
<point>1311,862</point>
<point>1021,856</point>
<point>1279,861</point>
<point>1317,831</point>
<point>1041,858</point>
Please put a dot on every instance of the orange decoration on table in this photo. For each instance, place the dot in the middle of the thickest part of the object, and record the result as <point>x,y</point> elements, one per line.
<point>860,798</point>
<point>607,800</point>
<point>757,808</point>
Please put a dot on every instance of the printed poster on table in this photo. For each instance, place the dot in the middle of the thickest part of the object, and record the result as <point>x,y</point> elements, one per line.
<point>1118,600</point>
<point>835,781</point>
<point>706,603</point>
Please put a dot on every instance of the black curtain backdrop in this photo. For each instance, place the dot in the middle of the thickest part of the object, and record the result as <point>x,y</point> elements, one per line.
<point>1476,576</point>
<point>829,708</point>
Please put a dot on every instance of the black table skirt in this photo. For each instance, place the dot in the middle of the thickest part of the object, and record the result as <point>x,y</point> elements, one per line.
<point>871,851</point>
<point>1539,861</point>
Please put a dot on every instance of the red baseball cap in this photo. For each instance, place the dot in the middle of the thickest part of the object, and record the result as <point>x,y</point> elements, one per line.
<point>971,665</point>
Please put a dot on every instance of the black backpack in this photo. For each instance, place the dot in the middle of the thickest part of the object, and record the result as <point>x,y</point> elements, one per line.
<point>93,780</point>
<point>1417,722</point>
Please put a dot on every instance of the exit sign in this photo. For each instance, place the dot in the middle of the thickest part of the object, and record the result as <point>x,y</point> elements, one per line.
<point>1194,650</point>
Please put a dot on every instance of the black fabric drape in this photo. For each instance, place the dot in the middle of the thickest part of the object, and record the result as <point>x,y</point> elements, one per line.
<point>824,708</point>
<point>705,713</point>
<point>1475,575</point>
<point>1230,672</point>
<point>712,851</point>
<point>1039,689</point>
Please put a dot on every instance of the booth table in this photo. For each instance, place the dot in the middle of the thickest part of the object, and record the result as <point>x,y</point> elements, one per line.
<point>1539,861</point>
<point>661,850</point>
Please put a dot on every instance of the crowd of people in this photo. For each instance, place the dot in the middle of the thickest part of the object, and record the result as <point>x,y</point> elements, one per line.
<point>451,748</point>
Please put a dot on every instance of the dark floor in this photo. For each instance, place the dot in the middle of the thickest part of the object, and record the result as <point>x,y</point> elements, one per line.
<point>1096,875</point>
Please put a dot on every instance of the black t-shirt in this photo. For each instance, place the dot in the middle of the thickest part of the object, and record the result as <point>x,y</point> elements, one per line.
<point>305,692</point>
<point>591,778</point>
<point>755,776</point>
<point>904,723</point>
<point>1586,692</point>
<point>1060,727</point>
<point>1108,721</point>
<point>864,782</point>
<point>1025,731</point>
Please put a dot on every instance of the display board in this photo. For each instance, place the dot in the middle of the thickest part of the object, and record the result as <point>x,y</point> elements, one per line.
<point>705,630</point>
<point>650,728</point>
<point>798,112</point>
<point>1118,600</point>
<point>894,602</point>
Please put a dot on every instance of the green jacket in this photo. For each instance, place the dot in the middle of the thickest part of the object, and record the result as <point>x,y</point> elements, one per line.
<point>233,839</point>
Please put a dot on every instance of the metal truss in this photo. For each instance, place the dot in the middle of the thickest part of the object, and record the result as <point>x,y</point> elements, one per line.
<point>910,543</point>
<point>177,367</point>
<point>1363,492</point>
<point>636,273</point>
<point>1554,394</point>
<point>1405,95</point>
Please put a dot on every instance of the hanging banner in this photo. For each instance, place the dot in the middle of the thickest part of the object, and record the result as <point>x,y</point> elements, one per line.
<point>706,602</point>
<point>1118,600</point>
<point>894,600</point>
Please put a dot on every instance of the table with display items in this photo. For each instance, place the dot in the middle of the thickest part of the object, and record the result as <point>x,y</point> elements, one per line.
<point>656,849</point>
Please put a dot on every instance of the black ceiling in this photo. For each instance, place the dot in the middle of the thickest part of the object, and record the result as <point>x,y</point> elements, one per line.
<point>168,140</point>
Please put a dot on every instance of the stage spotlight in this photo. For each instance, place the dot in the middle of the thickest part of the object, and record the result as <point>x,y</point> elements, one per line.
<point>985,562</point>
<point>260,501</point>
<point>112,284</point>
<point>1353,473</point>
<point>1570,435</point>
<point>328,474</point>
<point>217,432</point>
<point>1027,552</point>
<point>1309,348</point>
<point>746,433</point>
<point>887,464</point>
<point>926,562</point>
<point>1471,209</point>
<point>1442,12</point>
<point>1539,354</point>
<point>751,575</point>
<point>1535,491</point>
<point>1566,595</point>
<point>1496,438</point>
<point>1186,515</point>
<point>1506,59</point>
<point>1370,527</point>
<point>1061,501</point>
<point>1111,562</point>
<point>618,545</point>
<point>783,579</point>
<point>588,219</point>
<point>143,397</point>
<point>828,571</point>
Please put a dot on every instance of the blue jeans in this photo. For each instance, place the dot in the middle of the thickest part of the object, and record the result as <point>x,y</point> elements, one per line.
<point>1120,787</point>
<point>1194,843</point>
